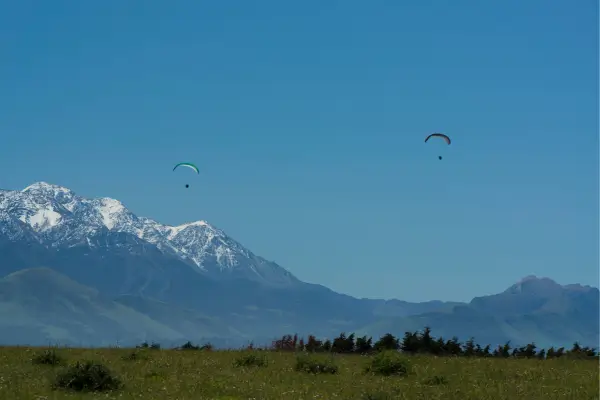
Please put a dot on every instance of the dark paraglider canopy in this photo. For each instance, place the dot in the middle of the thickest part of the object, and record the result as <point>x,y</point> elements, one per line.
<point>440,135</point>
<point>445,138</point>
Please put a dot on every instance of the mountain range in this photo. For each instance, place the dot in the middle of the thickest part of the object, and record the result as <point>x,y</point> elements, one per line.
<point>89,272</point>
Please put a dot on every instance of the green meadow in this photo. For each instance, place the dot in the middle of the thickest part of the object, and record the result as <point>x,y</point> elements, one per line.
<point>66,373</point>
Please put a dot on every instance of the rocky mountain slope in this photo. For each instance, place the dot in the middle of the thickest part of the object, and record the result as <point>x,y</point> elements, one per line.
<point>55,216</point>
<point>89,271</point>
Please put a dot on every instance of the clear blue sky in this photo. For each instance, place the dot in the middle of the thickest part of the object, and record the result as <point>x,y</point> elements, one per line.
<point>307,121</point>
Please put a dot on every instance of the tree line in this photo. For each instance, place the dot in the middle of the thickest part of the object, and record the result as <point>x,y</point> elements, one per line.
<point>422,342</point>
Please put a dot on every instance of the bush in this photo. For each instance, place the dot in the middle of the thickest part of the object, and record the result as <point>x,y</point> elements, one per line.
<point>388,363</point>
<point>134,355</point>
<point>87,376</point>
<point>251,360</point>
<point>189,346</point>
<point>47,357</point>
<point>145,345</point>
<point>315,365</point>
<point>378,396</point>
<point>206,347</point>
<point>436,380</point>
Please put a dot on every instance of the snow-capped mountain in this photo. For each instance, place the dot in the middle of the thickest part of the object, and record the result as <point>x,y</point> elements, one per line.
<point>92,269</point>
<point>57,217</point>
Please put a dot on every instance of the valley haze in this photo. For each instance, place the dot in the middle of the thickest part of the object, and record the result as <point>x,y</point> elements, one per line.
<point>89,272</point>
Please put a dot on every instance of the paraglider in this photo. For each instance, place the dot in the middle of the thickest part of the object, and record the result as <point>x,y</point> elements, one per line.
<point>444,137</point>
<point>189,165</point>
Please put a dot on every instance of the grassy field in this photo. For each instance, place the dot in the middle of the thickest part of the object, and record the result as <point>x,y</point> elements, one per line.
<point>172,374</point>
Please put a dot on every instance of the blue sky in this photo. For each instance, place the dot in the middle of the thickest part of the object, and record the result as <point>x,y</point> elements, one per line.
<point>307,121</point>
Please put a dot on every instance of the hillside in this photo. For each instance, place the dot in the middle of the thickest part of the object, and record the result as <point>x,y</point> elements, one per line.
<point>537,309</point>
<point>111,275</point>
<point>40,304</point>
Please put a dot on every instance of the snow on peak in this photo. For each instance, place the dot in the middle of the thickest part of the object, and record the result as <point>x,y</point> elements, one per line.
<point>198,223</point>
<point>203,243</point>
<point>47,187</point>
<point>58,216</point>
<point>42,219</point>
<point>195,223</point>
<point>110,210</point>
<point>196,241</point>
<point>174,230</point>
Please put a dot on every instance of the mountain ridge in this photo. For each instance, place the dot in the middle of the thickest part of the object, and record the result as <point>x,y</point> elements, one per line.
<point>147,271</point>
<point>56,214</point>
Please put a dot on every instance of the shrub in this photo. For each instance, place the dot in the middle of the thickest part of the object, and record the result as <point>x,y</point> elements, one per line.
<point>251,360</point>
<point>315,365</point>
<point>145,345</point>
<point>47,357</point>
<point>206,347</point>
<point>189,346</point>
<point>134,355</point>
<point>388,363</point>
<point>87,376</point>
<point>378,396</point>
<point>436,380</point>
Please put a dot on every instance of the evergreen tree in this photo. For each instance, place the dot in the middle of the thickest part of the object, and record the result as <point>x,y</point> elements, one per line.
<point>410,343</point>
<point>313,344</point>
<point>426,341</point>
<point>486,351</point>
<point>421,342</point>
<point>439,347</point>
<point>387,342</point>
<point>541,354</point>
<point>453,347</point>
<point>343,343</point>
<point>364,345</point>
<point>503,350</point>
<point>469,348</point>
<point>528,351</point>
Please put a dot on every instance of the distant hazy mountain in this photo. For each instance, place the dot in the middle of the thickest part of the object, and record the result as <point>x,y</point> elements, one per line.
<point>110,276</point>
<point>534,309</point>
<point>43,304</point>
